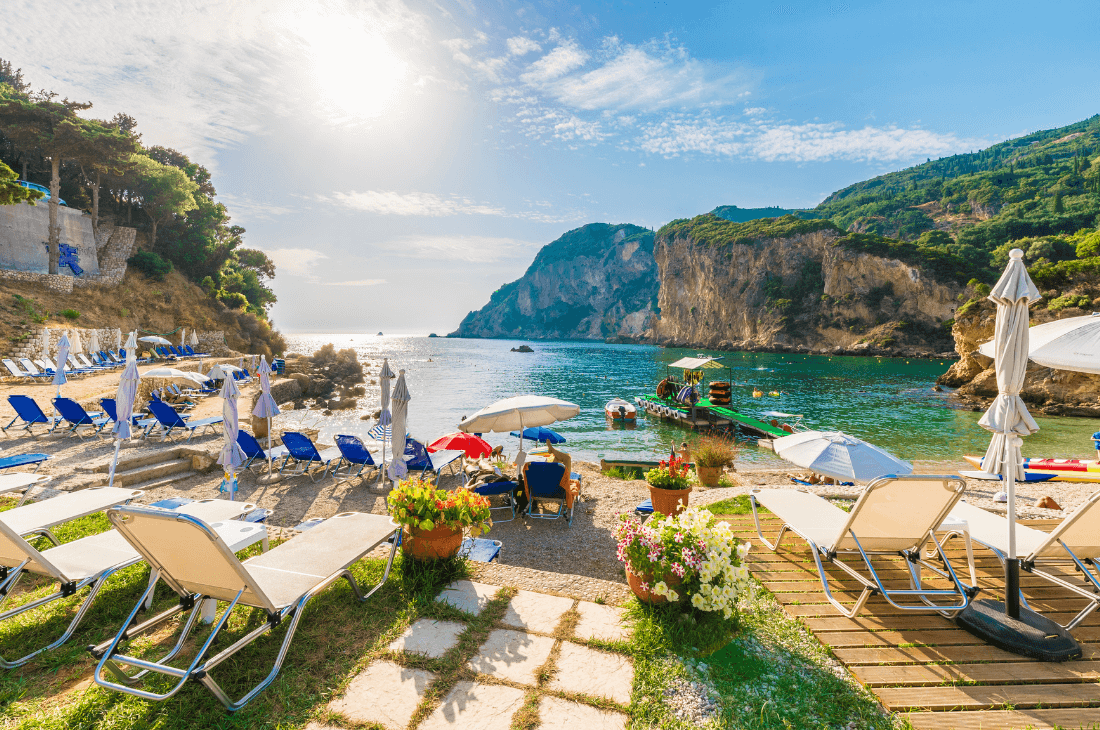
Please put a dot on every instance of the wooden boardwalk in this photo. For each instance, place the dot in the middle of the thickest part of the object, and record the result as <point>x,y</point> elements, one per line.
<point>922,665</point>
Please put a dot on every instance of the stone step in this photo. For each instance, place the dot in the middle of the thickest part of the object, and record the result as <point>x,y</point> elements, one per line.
<point>127,462</point>
<point>149,472</point>
<point>153,484</point>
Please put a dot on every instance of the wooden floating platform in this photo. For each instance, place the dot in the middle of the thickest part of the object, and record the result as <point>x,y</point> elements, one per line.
<point>705,415</point>
<point>923,666</point>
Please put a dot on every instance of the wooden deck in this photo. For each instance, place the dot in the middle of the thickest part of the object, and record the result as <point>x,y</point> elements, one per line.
<point>922,665</point>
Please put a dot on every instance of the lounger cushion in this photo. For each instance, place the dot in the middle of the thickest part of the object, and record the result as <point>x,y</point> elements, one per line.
<point>65,507</point>
<point>90,556</point>
<point>808,514</point>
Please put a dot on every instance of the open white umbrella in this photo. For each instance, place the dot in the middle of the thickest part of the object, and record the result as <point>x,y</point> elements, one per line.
<point>231,456</point>
<point>75,345</point>
<point>517,413</point>
<point>154,340</point>
<point>401,398</point>
<point>1065,344</point>
<point>93,342</point>
<point>173,375</point>
<point>222,370</point>
<point>384,378</point>
<point>124,403</point>
<point>839,456</point>
<point>266,407</point>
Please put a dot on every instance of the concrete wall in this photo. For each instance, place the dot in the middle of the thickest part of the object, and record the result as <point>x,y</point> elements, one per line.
<point>25,228</point>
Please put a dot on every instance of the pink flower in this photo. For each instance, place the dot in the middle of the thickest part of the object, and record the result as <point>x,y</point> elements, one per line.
<point>678,569</point>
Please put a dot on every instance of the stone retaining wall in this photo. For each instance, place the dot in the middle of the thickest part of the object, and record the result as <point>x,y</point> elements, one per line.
<point>56,282</point>
<point>33,347</point>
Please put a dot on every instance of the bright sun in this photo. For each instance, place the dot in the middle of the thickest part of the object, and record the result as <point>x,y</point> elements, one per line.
<point>354,70</point>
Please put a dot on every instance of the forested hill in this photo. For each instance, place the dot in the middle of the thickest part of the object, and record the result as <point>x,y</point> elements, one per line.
<point>1034,192</point>
<point>742,215</point>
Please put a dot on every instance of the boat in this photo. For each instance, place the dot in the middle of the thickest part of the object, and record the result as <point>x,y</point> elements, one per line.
<point>1054,470</point>
<point>618,409</point>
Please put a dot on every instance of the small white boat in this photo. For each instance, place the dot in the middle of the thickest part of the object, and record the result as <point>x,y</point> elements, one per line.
<point>618,409</point>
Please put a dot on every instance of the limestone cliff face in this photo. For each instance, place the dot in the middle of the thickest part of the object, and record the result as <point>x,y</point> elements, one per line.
<point>797,291</point>
<point>597,282</point>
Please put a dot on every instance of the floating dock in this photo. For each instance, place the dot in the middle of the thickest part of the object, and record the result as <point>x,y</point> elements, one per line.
<point>705,415</point>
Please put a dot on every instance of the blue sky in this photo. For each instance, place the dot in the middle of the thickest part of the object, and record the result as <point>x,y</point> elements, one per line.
<point>400,160</point>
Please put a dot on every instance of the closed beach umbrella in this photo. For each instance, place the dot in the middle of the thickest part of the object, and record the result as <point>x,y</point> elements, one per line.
<point>1008,417</point>
<point>471,445</point>
<point>517,413</point>
<point>385,375</point>
<point>183,336</point>
<point>62,356</point>
<point>194,338</point>
<point>839,456</point>
<point>124,404</point>
<point>266,407</point>
<point>118,339</point>
<point>254,362</point>
<point>401,398</point>
<point>231,456</point>
<point>93,341</point>
<point>75,345</point>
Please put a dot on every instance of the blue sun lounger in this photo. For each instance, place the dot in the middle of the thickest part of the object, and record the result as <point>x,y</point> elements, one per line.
<point>7,462</point>
<point>27,409</point>
<point>507,490</point>
<point>305,454</point>
<point>169,420</point>
<point>74,413</point>
<point>548,481</point>
<point>417,458</point>
<point>111,409</point>
<point>352,452</point>
<point>255,452</point>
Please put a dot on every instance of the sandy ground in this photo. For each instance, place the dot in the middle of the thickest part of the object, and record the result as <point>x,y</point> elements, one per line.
<point>586,548</point>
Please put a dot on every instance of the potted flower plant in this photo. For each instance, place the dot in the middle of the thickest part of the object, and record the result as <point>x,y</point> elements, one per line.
<point>690,558</point>
<point>435,519</point>
<point>711,457</point>
<point>669,485</point>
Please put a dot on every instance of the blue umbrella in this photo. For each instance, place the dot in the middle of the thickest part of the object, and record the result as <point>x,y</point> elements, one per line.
<point>541,434</point>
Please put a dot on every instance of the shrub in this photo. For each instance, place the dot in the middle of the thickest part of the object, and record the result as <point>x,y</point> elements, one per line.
<point>1069,300</point>
<point>233,300</point>
<point>70,313</point>
<point>151,264</point>
<point>712,452</point>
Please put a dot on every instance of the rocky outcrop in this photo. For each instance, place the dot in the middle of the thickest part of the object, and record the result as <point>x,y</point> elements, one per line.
<point>597,282</point>
<point>794,291</point>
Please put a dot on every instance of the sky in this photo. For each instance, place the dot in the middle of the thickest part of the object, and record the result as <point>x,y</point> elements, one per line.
<point>400,160</point>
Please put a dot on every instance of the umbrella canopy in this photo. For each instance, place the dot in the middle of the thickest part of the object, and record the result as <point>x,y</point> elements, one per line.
<point>222,371</point>
<point>194,338</point>
<point>231,455</point>
<point>154,340</point>
<point>177,376</point>
<point>540,434</point>
<point>93,341</point>
<point>519,412</point>
<point>265,404</point>
<point>473,446</point>
<point>1065,344</point>
<point>127,391</point>
<point>839,456</point>
<point>401,398</point>
<point>75,345</point>
<point>62,357</point>
<point>183,336</point>
<point>45,341</point>
<point>384,377</point>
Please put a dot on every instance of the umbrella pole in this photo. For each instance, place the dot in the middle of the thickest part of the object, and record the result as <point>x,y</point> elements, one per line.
<point>270,464</point>
<point>114,463</point>
<point>382,466</point>
<point>1012,564</point>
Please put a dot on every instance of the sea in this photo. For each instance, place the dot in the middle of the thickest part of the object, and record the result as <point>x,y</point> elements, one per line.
<point>890,402</point>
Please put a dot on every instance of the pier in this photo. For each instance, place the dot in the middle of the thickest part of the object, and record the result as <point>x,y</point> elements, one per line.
<point>705,415</point>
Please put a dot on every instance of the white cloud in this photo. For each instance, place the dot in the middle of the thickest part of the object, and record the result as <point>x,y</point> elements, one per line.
<point>386,202</point>
<point>567,57</point>
<point>521,46</point>
<point>472,249</point>
<point>295,261</point>
<point>243,209</point>
<point>809,142</point>
<point>360,282</point>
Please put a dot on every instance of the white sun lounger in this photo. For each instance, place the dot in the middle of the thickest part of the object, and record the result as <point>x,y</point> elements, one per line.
<point>89,561</point>
<point>280,582</point>
<point>21,480</point>
<point>894,515</point>
<point>1074,543</point>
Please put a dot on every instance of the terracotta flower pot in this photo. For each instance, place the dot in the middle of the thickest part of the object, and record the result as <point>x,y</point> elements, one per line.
<point>708,475</point>
<point>442,542</point>
<point>669,501</point>
<point>646,596</point>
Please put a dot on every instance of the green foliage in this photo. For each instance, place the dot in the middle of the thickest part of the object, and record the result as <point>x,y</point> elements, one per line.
<point>623,472</point>
<point>233,300</point>
<point>70,314</point>
<point>592,240</point>
<point>1068,300</point>
<point>151,264</point>
<point>710,230</point>
<point>12,192</point>
<point>944,264</point>
<point>740,215</point>
<point>164,191</point>
<point>30,308</point>
<point>416,503</point>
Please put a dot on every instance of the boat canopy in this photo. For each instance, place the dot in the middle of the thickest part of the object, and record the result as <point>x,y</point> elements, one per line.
<point>695,363</point>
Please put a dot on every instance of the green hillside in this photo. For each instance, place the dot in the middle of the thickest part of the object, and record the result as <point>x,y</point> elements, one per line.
<point>742,215</point>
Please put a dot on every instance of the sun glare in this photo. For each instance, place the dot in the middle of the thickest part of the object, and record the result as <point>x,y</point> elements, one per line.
<point>355,72</point>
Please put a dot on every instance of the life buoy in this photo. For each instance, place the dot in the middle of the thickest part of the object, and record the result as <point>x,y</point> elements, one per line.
<point>666,389</point>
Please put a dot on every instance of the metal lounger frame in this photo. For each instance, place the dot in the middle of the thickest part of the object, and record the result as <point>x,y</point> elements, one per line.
<point>913,561</point>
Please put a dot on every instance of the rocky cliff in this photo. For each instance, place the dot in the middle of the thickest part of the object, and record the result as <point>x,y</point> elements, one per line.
<point>787,283</point>
<point>597,282</point>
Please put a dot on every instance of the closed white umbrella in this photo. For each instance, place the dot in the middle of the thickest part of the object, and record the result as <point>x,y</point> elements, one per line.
<point>517,413</point>
<point>45,345</point>
<point>231,456</point>
<point>118,339</point>
<point>62,356</point>
<point>183,336</point>
<point>93,341</point>
<point>384,377</point>
<point>124,404</point>
<point>839,456</point>
<point>75,345</point>
<point>401,398</point>
<point>1065,344</point>
<point>194,338</point>
<point>266,407</point>
<point>254,362</point>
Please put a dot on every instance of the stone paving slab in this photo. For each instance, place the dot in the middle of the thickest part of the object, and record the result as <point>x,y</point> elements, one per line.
<point>512,655</point>
<point>429,637</point>
<point>384,693</point>
<point>536,611</point>
<point>601,622</point>
<point>581,670</point>
<point>473,706</point>
<point>467,596</point>
<point>558,714</point>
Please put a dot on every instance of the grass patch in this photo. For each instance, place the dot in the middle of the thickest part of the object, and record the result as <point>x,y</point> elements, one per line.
<point>623,472</point>
<point>738,505</point>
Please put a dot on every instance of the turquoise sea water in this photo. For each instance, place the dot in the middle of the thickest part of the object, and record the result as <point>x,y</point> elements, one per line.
<point>889,402</point>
